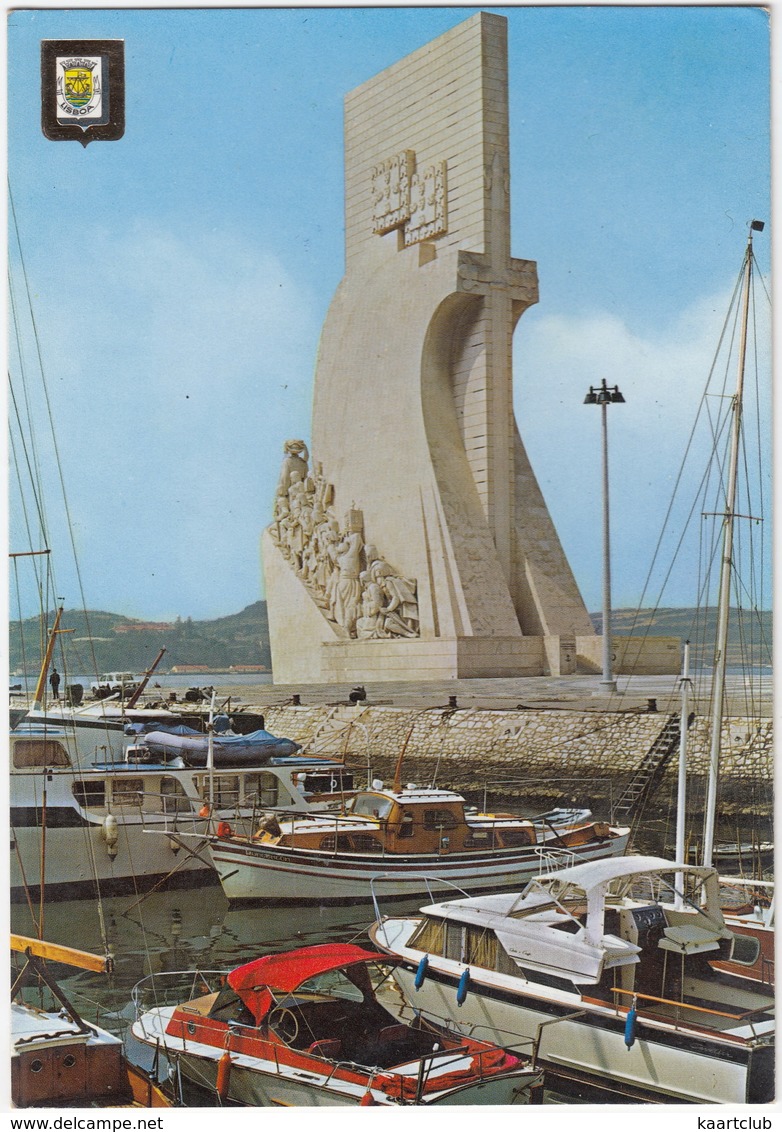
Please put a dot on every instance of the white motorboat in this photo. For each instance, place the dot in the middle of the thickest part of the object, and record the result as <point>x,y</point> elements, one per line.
<point>610,968</point>
<point>80,810</point>
<point>305,1027</point>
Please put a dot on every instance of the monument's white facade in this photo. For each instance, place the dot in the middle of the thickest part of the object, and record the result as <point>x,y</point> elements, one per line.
<point>413,541</point>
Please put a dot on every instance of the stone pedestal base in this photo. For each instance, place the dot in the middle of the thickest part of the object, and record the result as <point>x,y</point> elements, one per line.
<point>633,656</point>
<point>332,658</point>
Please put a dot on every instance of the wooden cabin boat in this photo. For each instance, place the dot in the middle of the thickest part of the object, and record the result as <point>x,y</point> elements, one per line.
<point>611,968</point>
<point>402,837</point>
<point>305,1027</point>
<point>59,1059</point>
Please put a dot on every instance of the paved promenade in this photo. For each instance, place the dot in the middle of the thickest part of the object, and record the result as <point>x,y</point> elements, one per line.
<point>572,693</point>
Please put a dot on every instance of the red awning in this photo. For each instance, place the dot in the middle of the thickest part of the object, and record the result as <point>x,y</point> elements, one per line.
<point>289,969</point>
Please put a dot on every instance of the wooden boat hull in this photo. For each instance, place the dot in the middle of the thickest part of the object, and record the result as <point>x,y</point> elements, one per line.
<point>257,871</point>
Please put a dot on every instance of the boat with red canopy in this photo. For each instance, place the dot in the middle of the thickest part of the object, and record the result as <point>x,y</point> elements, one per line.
<point>306,1027</point>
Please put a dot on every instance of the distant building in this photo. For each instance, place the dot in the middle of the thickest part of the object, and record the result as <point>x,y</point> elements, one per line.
<point>143,627</point>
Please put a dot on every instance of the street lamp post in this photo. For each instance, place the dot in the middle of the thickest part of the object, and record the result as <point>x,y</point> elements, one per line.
<point>603,396</point>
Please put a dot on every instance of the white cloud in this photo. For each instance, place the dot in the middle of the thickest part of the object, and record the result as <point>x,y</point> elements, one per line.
<point>662,378</point>
<point>172,396</point>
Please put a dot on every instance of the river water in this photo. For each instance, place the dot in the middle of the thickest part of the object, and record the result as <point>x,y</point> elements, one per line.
<point>189,929</point>
<point>186,931</point>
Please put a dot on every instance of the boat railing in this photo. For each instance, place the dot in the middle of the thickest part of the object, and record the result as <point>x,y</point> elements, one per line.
<point>552,1022</point>
<point>551,859</point>
<point>427,878</point>
<point>746,1017</point>
<point>172,988</point>
<point>522,1045</point>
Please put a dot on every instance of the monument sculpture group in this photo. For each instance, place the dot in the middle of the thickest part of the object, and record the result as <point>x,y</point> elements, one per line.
<point>356,589</point>
<point>419,546</point>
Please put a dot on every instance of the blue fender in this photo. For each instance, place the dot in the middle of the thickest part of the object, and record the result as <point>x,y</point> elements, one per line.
<point>461,990</point>
<point>420,974</point>
<point>631,1024</point>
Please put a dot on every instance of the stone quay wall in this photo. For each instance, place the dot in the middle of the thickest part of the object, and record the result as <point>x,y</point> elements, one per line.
<point>548,754</point>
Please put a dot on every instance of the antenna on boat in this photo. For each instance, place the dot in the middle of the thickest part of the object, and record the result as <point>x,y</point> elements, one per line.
<point>726,569</point>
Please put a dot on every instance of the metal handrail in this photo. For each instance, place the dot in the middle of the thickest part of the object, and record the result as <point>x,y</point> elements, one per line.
<point>745,1016</point>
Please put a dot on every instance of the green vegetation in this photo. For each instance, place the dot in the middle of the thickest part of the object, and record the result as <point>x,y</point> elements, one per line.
<point>103,642</point>
<point>749,636</point>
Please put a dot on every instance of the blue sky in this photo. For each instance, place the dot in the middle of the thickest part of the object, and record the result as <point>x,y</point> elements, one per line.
<point>180,276</point>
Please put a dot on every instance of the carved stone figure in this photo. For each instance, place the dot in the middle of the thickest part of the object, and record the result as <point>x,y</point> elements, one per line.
<point>371,622</point>
<point>347,592</point>
<point>295,459</point>
<point>349,581</point>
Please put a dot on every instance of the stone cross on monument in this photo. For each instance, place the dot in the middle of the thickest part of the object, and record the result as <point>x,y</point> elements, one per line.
<point>417,544</point>
<point>501,280</point>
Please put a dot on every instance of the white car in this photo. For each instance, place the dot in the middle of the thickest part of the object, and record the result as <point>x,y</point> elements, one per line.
<point>110,683</point>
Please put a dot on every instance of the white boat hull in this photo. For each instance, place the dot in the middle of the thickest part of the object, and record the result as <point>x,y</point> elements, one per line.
<point>671,1062</point>
<point>253,871</point>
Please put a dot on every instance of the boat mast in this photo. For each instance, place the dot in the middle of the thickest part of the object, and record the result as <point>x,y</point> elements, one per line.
<point>39,691</point>
<point>681,796</point>
<point>726,568</point>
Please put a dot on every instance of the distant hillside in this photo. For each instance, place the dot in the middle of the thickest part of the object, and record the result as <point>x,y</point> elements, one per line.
<point>127,644</point>
<point>749,637</point>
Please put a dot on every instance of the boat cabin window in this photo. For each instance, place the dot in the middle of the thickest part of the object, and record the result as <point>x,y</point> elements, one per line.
<point>228,1007</point>
<point>440,819</point>
<point>340,842</point>
<point>39,752</point>
<point>263,790</point>
<point>406,826</point>
<point>328,782</point>
<point>371,805</point>
<point>173,796</point>
<point>226,789</point>
<point>745,950</point>
<point>353,983</point>
<point>464,943</point>
<point>91,794</point>
<point>127,792</point>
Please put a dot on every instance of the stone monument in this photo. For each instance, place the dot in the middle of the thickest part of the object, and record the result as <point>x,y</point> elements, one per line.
<point>417,543</point>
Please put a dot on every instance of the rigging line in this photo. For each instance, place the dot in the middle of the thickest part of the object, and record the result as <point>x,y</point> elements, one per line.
<point>36,566</point>
<point>35,476</point>
<point>761,491</point>
<point>701,408</point>
<point>757,272</point>
<point>36,493</point>
<point>51,420</point>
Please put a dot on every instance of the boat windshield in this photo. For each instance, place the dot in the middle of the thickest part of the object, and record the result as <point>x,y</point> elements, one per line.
<point>370,805</point>
<point>353,983</point>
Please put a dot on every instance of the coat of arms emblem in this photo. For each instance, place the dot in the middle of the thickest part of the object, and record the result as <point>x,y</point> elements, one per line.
<point>83,89</point>
<point>78,88</point>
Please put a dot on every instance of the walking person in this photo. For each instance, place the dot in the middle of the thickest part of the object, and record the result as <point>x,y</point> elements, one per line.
<point>54,680</point>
